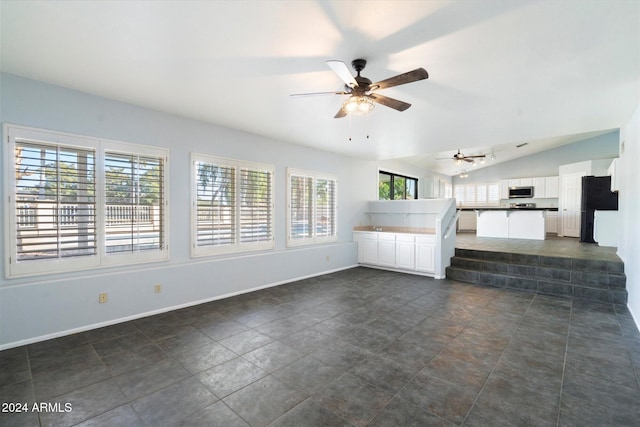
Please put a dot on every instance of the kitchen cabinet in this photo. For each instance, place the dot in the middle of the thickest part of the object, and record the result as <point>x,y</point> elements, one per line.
<point>551,222</point>
<point>425,253</point>
<point>521,182</point>
<point>504,188</point>
<point>387,249</point>
<point>552,187</point>
<point>539,187</point>
<point>405,251</point>
<point>402,251</point>
<point>467,221</point>
<point>367,248</point>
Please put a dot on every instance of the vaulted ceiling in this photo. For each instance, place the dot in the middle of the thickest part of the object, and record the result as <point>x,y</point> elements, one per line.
<point>500,72</point>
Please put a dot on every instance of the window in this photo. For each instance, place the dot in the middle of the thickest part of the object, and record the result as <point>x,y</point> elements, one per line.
<point>477,194</point>
<point>233,206</point>
<point>311,208</point>
<point>74,204</point>
<point>133,203</point>
<point>396,187</point>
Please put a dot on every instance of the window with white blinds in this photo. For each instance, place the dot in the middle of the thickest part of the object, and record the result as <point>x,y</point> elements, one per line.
<point>477,194</point>
<point>256,203</point>
<point>311,208</point>
<point>55,211</point>
<point>233,206</point>
<point>78,202</point>
<point>133,203</point>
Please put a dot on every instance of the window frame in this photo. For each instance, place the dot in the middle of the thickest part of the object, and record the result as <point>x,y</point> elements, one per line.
<point>16,269</point>
<point>392,176</point>
<point>314,238</point>
<point>122,148</point>
<point>238,246</point>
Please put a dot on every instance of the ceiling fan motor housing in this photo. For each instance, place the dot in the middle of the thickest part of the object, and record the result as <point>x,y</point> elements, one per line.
<point>359,64</point>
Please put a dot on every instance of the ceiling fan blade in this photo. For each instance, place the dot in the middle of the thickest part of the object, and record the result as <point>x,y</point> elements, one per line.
<point>341,69</point>
<point>320,93</point>
<point>389,102</point>
<point>340,114</point>
<point>401,79</point>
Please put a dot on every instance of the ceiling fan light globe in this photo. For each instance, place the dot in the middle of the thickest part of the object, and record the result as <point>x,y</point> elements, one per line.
<point>358,105</point>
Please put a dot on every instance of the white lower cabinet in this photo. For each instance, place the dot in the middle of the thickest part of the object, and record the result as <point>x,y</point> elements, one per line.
<point>368,248</point>
<point>467,221</point>
<point>387,249</point>
<point>405,252</point>
<point>551,222</point>
<point>402,251</point>
<point>426,254</point>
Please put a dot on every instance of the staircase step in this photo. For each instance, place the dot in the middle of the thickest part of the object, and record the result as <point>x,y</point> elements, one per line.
<point>599,266</point>
<point>593,280</point>
<point>549,274</point>
<point>537,285</point>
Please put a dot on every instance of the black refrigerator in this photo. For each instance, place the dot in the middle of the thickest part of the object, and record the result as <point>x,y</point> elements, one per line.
<point>596,195</point>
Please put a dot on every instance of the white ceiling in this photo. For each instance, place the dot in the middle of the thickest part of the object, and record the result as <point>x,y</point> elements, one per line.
<point>500,72</point>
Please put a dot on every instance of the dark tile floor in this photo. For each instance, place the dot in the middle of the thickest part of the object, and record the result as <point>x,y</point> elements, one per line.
<point>353,348</point>
<point>552,246</point>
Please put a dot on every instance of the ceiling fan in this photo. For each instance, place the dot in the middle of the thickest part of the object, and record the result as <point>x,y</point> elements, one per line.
<point>361,89</point>
<point>459,158</point>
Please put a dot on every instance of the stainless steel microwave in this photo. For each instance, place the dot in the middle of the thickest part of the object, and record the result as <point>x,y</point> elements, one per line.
<point>520,192</point>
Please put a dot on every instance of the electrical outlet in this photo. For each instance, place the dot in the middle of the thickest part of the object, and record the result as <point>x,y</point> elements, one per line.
<point>328,257</point>
<point>102,298</point>
<point>158,288</point>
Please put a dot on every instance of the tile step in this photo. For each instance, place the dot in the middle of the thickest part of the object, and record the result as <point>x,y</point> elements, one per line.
<point>538,285</point>
<point>559,275</point>
<point>597,266</point>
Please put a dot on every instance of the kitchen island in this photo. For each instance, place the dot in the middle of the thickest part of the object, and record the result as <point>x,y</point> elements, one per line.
<point>511,223</point>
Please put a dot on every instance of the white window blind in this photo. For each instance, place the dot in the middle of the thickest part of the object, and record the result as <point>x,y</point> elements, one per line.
<point>55,201</point>
<point>79,202</point>
<point>301,207</point>
<point>477,194</point>
<point>215,205</point>
<point>134,205</point>
<point>312,208</point>
<point>325,207</point>
<point>233,206</point>
<point>256,199</point>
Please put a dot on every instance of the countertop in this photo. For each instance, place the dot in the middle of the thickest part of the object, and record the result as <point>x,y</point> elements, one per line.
<point>407,230</point>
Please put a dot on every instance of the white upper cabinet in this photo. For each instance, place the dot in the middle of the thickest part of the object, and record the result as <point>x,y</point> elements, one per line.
<point>544,187</point>
<point>552,187</point>
<point>539,187</point>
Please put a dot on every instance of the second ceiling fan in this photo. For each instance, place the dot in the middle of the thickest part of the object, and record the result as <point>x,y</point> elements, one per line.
<point>361,89</point>
<point>459,158</point>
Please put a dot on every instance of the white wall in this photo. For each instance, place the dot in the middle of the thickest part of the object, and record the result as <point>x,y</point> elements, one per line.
<point>629,204</point>
<point>40,307</point>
